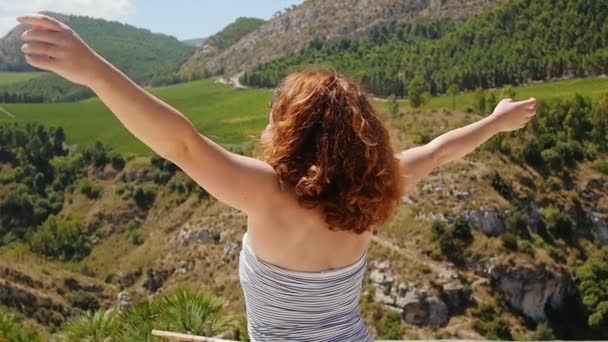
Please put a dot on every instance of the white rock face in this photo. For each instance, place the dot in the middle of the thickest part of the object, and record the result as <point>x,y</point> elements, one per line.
<point>533,290</point>
<point>328,20</point>
<point>415,302</point>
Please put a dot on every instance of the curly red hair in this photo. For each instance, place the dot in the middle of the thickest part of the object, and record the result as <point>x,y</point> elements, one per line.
<point>328,143</point>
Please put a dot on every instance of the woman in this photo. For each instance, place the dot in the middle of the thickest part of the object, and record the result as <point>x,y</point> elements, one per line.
<point>330,175</point>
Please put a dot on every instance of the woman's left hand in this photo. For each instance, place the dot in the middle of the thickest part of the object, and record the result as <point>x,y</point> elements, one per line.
<point>52,45</point>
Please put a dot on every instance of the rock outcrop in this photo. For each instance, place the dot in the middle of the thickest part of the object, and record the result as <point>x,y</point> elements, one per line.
<point>418,304</point>
<point>599,227</point>
<point>532,290</point>
<point>489,222</point>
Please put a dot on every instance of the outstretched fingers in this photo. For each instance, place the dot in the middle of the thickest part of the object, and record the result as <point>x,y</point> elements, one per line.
<point>40,62</point>
<point>42,21</point>
<point>41,49</point>
<point>51,37</point>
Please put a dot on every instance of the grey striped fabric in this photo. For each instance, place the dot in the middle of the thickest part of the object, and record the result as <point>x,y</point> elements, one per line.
<point>285,305</point>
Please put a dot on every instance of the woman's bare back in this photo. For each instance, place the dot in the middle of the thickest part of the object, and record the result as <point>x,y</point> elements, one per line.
<point>299,239</point>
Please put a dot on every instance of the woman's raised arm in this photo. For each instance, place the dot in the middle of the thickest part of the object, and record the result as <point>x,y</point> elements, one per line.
<point>241,182</point>
<point>419,161</point>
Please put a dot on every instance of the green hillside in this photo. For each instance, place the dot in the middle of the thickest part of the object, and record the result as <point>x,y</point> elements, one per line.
<point>514,43</point>
<point>235,31</point>
<point>231,117</point>
<point>143,55</point>
<point>218,43</point>
<point>227,116</point>
<point>79,226</point>
<point>594,87</point>
<point>14,77</point>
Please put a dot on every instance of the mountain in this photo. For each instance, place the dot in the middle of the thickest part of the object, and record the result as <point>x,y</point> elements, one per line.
<point>326,20</point>
<point>220,41</point>
<point>141,54</point>
<point>516,42</point>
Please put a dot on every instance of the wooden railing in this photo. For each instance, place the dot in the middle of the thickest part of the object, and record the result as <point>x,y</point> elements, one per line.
<point>184,337</point>
<point>190,338</point>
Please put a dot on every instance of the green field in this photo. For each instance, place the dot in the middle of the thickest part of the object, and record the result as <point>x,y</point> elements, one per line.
<point>227,116</point>
<point>13,77</point>
<point>544,91</point>
<point>230,117</point>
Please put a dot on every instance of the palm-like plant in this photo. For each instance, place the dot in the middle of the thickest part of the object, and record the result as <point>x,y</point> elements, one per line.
<point>185,312</point>
<point>137,323</point>
<point>101,326</point>
<point>12,331</point>
<point>241,328</point>
<point>193,313</point>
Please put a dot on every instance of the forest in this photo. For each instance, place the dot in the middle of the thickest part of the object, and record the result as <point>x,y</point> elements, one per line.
<point>146,57</point>
<point>518,42</point>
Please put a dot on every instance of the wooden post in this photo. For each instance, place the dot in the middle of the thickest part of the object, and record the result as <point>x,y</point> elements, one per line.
<point>185,337</point>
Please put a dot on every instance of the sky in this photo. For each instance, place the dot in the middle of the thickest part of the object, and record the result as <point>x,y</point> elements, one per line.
<point>184,19</point>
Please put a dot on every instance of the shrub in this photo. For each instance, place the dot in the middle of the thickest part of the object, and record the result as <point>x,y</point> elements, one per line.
<point>454,238</point>
<point>426,98</point>
<point>554,183</point>
<point>84,300</point>
<point>501,185</point>
<point>509,241</point>
<point>96,154</point>
<point>558,222</point>
<point>517,222</point>
<point>162,177</point>
<point>546,141</point>
<point>390,327</point>
<point>461,229</point>
<point>601,166</point>
<point>144,197</point>
<point>498,329</point>
<point>422,137</point>
<point>543,332</point>
<point>592,283</point>
<point>484,312</point>
<point>526,247</point>
<point>571,152</point>
<point>92,191</point>
<point>552,158</point>
<point>480,100</point>
<point>532,153</point>
<point>393,105</point>
<point>438,228</point>
<point>118,162</point>
<point>12,330</point>
<point>137,238</point>
<point>64,239</point>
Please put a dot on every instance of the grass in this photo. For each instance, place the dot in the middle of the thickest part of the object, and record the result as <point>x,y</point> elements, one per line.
<point>14,77</point>
<point>545,91</point>
<point>229,117</point>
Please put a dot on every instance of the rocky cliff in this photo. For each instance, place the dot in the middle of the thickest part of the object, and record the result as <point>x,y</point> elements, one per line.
<point>325,20</point>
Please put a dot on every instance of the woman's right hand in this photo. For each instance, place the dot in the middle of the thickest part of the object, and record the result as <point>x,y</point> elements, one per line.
<point>512,115</point>
<point>52,45</point>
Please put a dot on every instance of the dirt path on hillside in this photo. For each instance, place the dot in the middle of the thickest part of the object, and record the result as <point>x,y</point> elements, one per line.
<point>478,282</point>
<point>434,265</point>
<point>12,116</point>
<point>234,81</point>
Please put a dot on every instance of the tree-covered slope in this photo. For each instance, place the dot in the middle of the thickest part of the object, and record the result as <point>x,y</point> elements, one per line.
<point>219,42</point>
<point>143,55</point>
<point>293,29</point>
<point>516,42</point>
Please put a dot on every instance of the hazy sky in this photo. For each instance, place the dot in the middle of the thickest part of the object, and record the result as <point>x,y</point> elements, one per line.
<point>181,18</point>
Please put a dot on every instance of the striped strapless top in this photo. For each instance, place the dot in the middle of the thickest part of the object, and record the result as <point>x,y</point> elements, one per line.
<point>286,305</point>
